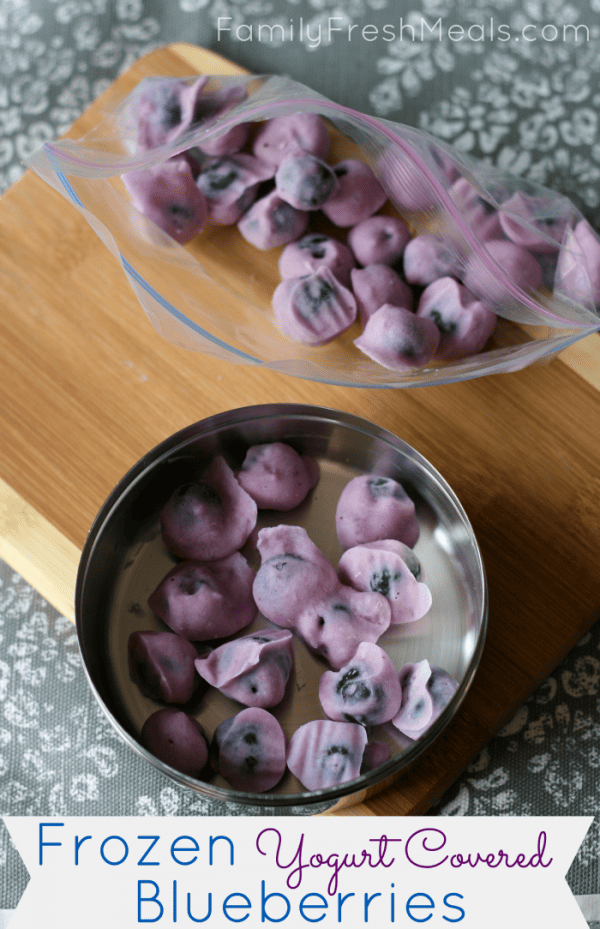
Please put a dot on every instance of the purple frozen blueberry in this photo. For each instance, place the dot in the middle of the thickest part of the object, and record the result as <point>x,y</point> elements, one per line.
<point>315,308</point>
<point>408,186</point>
<point>465,324</point>
<point>365,691</point>
<point>253,669</point>
<point>162,666</point>
<point>215,104</point>
<point>532,222</point>
<point>578,269</point>
<point>281,136</point>
<point>376,753</point>
<point>428,257</point>
<point>334,626</point>
<point>369,567</point>
<point>516,265</point>
<point>167,195</point>
<point>372,506</point>
<point>203,601</point>
<point>314,251</point>
<point>293,572</point>
<point>324,753</point>
<point>176,739</point>
<point>249,750</point>
<point>304,181</point>
<point>376,285</point>
<point>276,476</point>
<point>407,555</point>
<point>162,109</point>
<point>208,519</point>
<point>426,692</point>
<point>398,339</point>
<point>271,222</point>
<point>379,240</point>
<point>480,216</point>
<point>230,185</point>
<point>358,194</point>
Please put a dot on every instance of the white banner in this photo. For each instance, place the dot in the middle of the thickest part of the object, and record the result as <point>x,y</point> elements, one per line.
<point>101,872</point>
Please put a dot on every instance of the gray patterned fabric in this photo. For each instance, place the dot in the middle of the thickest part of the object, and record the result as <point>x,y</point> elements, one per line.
<point>527,105</point>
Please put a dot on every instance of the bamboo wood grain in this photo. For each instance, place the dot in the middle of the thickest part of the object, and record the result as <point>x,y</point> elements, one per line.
<point>88,387</point>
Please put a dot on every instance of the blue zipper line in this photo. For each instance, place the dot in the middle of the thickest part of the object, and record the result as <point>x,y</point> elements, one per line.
<point>173,311</point>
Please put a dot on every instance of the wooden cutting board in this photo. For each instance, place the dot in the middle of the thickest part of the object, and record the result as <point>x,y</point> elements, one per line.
<point>88,387</point>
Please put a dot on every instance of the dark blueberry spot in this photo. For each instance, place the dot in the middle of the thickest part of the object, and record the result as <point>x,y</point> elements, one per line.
<point>313,295</point>
<point>337,750</point>
<point>171,742</point>
<point>418,709</point>
<point>350,675</point>
<point>380,582</point>
<point>340,607</point>
<point>250,763</point>
<point>380,487</point>
<point>180,211</point>
<point>190,585</point>
<point>351,689</point>
<point>321,621</point>
<point>251,458</point>
<point>446,327</point>
<point>280,563</point>
<point>172,114</point>
<point>318,252</point>
<point>254,690</point>
<point>261,638</point>
<point>413,564</point>
<point>220,180</point>
<point>315,188</point>
<point>281,217</point>
<point>340,171</point>
<point>487,207</point>
<point>207,494</point>
<point>310,241</point>
<point>250,738</point>
<point>170,664</point>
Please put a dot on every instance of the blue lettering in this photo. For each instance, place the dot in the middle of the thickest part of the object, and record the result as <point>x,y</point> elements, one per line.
<point>109,838</point>
<point>43,844</point>
<point>264,916</point>
<point>153,840</point>
<point>78,843</point>
<point>419,906</point>
<point>176,849</point>
<point>152,899</point>
<point>212,841</point>
<point>452,906</point>
<point>201,919</point>
<point>368,901</point>
<point>303,905</point>
<point>341,901</point>
<point>236,906</point>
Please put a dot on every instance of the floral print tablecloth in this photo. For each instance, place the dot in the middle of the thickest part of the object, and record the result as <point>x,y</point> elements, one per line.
<point>528,105</point>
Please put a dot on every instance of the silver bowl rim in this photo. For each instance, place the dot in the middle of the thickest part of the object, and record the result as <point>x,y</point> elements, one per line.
<point>326,796</point>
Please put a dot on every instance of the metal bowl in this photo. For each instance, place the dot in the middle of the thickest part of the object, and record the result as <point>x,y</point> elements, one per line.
<point>124,559</point>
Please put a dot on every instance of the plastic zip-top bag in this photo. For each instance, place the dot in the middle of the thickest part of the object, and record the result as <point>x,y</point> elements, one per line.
<point>491,273</point>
